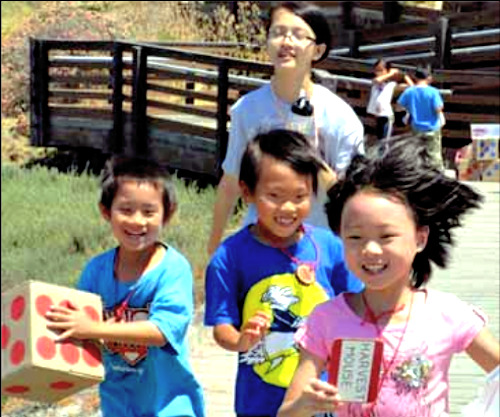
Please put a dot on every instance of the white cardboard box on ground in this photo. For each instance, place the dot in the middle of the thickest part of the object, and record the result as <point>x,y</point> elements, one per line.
<point>33,366</point>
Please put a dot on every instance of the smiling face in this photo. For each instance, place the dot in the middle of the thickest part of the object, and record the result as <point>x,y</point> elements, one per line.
<point>136,214</point>
<point>282,198</point>
<point>380,239</point>
<point>291,42</point>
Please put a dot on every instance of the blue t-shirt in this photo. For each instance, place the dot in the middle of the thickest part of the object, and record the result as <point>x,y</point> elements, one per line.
<point>148,381</point>
<point>244,276</point>
<point>422,102</point>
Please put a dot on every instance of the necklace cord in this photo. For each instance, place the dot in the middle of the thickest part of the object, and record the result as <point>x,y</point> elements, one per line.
<point>369,312</point>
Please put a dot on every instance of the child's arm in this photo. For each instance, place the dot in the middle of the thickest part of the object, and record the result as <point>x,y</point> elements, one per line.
<point>485,350</point>
<point>73,322</point>
<point>228,337</point>
<point>308,395</point>
<point>384,77</point>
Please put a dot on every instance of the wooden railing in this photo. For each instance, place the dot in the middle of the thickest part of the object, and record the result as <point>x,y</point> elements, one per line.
<point>173,103</point>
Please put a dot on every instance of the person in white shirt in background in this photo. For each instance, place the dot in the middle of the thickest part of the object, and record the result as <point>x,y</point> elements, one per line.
<point>382,91</point>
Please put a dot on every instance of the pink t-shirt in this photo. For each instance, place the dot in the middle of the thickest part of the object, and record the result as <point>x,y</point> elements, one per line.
<point>417,384</point>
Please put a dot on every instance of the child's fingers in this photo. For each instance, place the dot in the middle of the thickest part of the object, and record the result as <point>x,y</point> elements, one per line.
<point>55,316</point>
<point>329,391</point>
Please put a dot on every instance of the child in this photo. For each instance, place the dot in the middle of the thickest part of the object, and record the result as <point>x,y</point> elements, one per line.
<point>146,288</point>
<point>425,107</point>
<point>265,279</point>
<point>395,213</point>
<point>298,37</point>
<point>379,104</point>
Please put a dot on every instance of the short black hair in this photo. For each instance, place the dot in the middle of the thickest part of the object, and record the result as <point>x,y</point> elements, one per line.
<point>119,167</point>
<point>402,167</point>
<point>287,146</point>
<point>387,65</point>
<point>313,16</point>
<point>422,74</point>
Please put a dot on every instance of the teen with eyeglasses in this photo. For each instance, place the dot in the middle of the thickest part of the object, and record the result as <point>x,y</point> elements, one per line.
<point>298,37</point>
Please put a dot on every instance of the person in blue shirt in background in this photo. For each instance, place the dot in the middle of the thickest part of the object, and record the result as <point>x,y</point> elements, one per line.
<point>425,106</point>
<point>264,280</point>
<point>147,291</point>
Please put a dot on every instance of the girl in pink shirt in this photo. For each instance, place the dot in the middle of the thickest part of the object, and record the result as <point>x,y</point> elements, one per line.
<point>394,212</point>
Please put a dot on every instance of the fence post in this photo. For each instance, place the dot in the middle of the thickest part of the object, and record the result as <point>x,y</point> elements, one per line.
<point>117,138</point>
<point>39,92</point>
<point>222,118</point>
<point>190,86</point>
<point>442,32</point>
<point>140,140</point>
<point>353,36</point>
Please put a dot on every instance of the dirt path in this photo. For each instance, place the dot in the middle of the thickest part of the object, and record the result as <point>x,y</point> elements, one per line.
<point>215,368</point>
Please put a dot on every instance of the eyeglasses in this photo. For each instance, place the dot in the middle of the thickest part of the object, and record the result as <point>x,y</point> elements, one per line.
<point>298,35</point>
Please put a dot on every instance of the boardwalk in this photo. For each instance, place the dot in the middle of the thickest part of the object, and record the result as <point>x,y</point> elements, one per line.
<point>473,275</point>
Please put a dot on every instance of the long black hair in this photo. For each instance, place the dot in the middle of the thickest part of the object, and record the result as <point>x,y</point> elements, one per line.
<point>401,166</point>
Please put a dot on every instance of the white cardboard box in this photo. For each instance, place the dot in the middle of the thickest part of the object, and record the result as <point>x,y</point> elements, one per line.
<point>33,366</point>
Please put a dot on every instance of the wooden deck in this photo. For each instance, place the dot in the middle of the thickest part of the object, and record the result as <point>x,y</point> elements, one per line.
<point>473,275</point>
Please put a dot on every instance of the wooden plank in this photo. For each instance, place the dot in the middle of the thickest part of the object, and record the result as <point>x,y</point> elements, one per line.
<point>183,93</point>
<point>90,79</point>
<point>175,123</point>
<point>478,100</point>
<point>488,17</point>
<point>472,118</point>
<point>80,94</point>
<point>394,31</point>
<point>182,109</point>
<point>56,110</point>
<point>492,39</point>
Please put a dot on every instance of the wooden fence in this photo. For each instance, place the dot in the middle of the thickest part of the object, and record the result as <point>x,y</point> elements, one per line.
<point>173,103</point>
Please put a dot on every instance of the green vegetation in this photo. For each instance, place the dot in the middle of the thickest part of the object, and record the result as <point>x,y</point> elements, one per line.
<point>13,13</point>
<point>51,225</point>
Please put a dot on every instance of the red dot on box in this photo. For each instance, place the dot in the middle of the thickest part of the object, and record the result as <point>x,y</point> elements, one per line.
<point>17,352</point>
<point>43,303</point>
<point>46,347</point>
<point>62,385</point>
<point>70,353</point>
<point>91,312</point>
<point>17,389</point>
<point>5,335</point>
<point>91,354</point>
<point>17,308</point>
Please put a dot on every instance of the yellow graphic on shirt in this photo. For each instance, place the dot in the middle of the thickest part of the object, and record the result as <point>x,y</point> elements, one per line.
<point>288,303</point>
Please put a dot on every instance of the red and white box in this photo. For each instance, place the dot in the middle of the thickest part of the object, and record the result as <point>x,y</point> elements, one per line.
<point>354,368</point>
<point>33,365</point>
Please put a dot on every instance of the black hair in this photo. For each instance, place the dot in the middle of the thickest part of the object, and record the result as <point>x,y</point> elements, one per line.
<point>402,167</point>
<point>422,74</point>
<point>387,65</point>
<point>289,147</point>
<point>313,16</point>
<point>118,168</point>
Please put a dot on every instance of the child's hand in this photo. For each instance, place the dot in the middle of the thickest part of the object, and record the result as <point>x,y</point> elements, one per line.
<point>318,397</point>
<point>70,321</point>
<point>253,331</point>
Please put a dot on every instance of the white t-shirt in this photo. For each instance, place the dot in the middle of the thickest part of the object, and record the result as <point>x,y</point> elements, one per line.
<point>379,103</point>
<point>339,133</point>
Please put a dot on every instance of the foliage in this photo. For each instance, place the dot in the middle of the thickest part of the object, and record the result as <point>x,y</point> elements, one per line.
<point>53,19</point>
<point>247,27</point>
